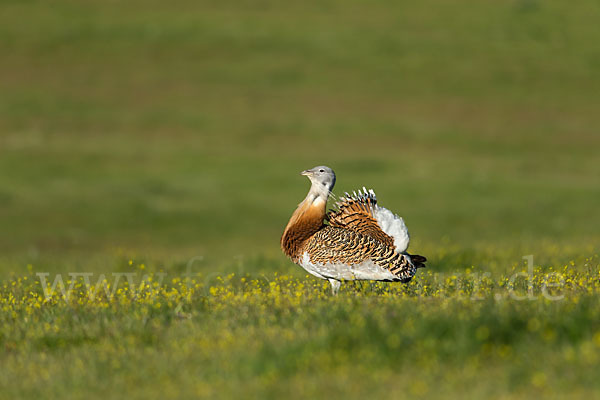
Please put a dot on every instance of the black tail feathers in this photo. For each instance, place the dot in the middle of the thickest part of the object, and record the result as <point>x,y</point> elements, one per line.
<point>417,260</point>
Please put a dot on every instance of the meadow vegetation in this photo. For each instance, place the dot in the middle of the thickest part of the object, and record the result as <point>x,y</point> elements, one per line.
<point>164,140</point>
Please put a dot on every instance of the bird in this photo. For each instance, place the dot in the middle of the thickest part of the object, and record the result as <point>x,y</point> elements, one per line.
<point>357,240</point>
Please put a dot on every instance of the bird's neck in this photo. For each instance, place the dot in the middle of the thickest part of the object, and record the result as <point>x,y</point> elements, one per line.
<point>305,222</point>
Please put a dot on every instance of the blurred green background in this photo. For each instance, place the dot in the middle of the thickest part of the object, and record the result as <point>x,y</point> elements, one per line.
<point>168,130</point>
<point>137,135</point>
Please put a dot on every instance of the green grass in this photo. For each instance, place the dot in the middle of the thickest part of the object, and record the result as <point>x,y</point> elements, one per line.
<point>159,132</point>
<point>274,336</point>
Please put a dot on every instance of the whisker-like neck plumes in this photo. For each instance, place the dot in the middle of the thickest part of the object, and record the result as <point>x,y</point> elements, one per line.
<point>333,195</point>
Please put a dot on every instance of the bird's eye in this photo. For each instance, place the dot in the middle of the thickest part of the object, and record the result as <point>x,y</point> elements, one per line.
<point>321,170</point>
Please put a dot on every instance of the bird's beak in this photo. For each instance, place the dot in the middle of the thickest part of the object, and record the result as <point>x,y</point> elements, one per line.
<point>306,172</point>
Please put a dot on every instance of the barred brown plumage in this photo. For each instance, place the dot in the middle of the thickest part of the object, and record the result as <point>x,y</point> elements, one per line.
<point>356,213</point>
<point>362,240</point>
<point>339,245</point>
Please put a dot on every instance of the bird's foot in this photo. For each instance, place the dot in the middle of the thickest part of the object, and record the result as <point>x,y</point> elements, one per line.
<point>335,286</point>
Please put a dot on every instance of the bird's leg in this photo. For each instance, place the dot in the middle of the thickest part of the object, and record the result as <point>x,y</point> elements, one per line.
<point>335,286</point>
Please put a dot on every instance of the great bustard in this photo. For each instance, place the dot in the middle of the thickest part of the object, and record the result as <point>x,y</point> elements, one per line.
<point>362,240</point>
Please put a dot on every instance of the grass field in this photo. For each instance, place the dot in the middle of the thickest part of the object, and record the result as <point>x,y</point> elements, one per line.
<point>166,139</point>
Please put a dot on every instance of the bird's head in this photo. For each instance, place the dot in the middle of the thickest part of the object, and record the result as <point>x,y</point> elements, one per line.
<point>322,179</point>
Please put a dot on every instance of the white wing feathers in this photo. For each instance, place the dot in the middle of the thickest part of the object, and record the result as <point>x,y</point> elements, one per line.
<point>394,226</point>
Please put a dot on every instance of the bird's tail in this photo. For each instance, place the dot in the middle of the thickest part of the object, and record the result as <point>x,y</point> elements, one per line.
<point>417,260</point>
